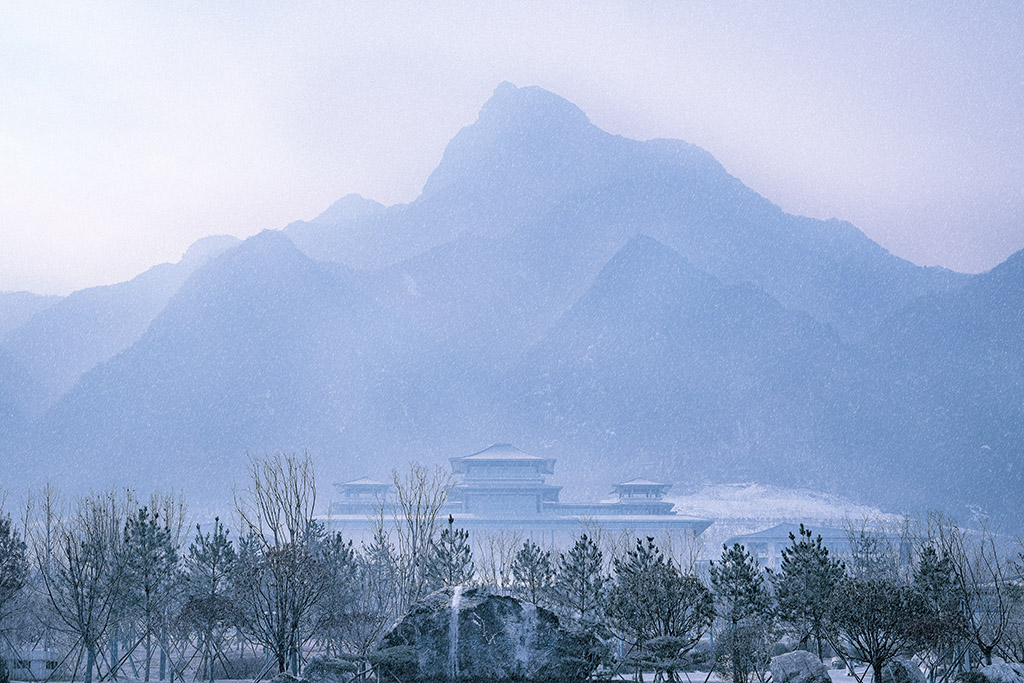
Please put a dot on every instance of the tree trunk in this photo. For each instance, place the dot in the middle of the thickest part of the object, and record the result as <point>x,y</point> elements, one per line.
<point>876,671</point>
<point>295,655</point>
<point>114,637</point>
<point>149,655</point>
<point>90,661</point>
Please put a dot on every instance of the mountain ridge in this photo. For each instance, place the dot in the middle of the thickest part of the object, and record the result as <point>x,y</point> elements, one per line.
<point>627,306</point>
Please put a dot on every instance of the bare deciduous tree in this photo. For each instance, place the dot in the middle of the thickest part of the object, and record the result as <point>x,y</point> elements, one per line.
<point>376,602</point>
<point>83,570</point>
<point>982,575</point>
<point>419,497</point>
<point>173,510</point>
<point>497,554</point>
<point>280,571</point>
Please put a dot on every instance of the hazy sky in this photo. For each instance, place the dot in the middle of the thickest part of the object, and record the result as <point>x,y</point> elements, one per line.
<point>127,131</point>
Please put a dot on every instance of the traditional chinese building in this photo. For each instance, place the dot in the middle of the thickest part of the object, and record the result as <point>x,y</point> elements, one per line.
<point>502,489</point>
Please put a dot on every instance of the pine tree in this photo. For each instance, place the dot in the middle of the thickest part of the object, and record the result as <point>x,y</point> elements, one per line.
<point>335,611</point>
<point>13,574</point>
<point>804,584</point>
<point>150,563</point>
<point>744,605</point>
<point>532,573</point>
<point>209,607</point>
<point>451,563</point>
<point>657,610</point>
<point>579,582</point>
<point>943,626</point>
<point>13,565</point>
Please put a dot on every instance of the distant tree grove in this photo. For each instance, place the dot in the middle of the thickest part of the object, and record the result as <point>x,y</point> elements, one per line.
<point>112,586</point>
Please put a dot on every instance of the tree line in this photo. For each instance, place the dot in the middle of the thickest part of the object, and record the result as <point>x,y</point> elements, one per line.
<point>124,588</point>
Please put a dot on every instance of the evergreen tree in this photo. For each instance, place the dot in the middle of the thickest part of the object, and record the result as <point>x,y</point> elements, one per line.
<point>209,606</point>
<point>335,610</point>
<point>804,585</point>
<point>532,573</point>
<point>943,628</point>
<point>150,563</point>
<point>579,582</point>
<point>657,610</point>
<point>744,605</point>
<point>451,563</point>
<point>13,566</point>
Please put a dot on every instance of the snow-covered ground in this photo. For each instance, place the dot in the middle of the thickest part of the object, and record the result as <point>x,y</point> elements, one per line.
<point>838,676</point>
<point>748,507</point>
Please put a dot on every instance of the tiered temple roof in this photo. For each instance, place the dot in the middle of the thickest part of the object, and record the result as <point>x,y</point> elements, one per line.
<point>503,487</point>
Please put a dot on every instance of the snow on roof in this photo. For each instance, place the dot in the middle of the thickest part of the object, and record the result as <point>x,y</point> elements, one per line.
<point>641,482</point>
<point>363,481</point>
<point>782,531</point>
<point>501,451</point>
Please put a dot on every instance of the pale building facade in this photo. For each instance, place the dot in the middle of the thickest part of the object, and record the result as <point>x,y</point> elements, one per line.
<point>501,493</point>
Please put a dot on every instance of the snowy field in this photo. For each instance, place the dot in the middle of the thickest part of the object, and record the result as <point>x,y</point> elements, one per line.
<point>746,507</point>
<point>837,675</point>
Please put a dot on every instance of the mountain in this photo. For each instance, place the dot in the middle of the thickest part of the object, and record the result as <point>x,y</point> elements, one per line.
<point>13,381</point>
<point>63,340</point>
<point>18,307</point>
<point>625,306</point>
<point>688,374</point>
<point>956,370</point>
<point>533,166</point>
<point>491,296</point>
<point>261,349</point>
<point>347,232</point>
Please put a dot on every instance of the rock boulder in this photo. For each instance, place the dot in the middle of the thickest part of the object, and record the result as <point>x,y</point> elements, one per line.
<point>902,671</point>
<point>1007,672</point>
<point>798,666</point>
<point>474,635</point>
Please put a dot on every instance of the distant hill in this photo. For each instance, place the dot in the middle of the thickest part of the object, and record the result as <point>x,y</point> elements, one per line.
<point>63,340</point>
<point>663,365</point>
<point>17,307</point>
<point>954,363</point>
<point>261,349</point>
<point>625,306</point>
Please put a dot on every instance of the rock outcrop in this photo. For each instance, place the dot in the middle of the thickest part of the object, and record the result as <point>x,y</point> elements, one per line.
<point>799,666</point>
<point>902,671</point>
<point>474,635</point>
<point>1007,672</point>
